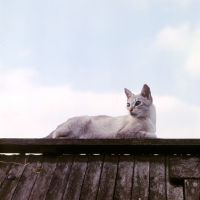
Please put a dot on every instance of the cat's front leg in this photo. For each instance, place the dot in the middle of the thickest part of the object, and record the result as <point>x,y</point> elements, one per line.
<point>63,133</point>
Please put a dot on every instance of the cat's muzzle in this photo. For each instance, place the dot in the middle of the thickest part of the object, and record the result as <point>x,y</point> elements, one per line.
<point>133,113</point>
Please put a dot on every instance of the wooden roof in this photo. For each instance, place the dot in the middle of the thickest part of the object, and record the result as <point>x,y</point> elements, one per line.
<point>99,169</point>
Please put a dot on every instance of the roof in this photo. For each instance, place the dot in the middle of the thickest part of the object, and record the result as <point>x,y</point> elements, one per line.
<point>95,169</point>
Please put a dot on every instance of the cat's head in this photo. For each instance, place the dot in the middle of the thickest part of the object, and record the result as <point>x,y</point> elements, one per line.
<point>139,105</point>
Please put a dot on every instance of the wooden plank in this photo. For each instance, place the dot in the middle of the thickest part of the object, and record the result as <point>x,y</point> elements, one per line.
<point>76,177</point>
<point>157,178</point>
<point>182,167</point>
<point>14,174</point>
<point>108,177</point>
<point>28,178</point>
<point>43,180</point>
<point>141,178</point>
<point>60,177</point>
<point>174,188</point>
<point>5,165</point>
<point>124,177</point>
<point>192,189</point>
<point>113,146</point>
<point>92,177</point>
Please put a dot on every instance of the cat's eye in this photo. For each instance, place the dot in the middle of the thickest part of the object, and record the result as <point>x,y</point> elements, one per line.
<point>128,104</point>
<point>137,103</point>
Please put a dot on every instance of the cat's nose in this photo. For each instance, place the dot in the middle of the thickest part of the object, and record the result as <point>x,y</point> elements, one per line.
<point>132,108</point>
<point>132,112</point>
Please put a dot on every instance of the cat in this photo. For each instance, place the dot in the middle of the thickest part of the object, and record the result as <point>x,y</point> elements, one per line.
<point>139,123</point>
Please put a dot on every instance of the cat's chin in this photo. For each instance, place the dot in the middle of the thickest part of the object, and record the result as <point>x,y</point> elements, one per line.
<point>133,114</point>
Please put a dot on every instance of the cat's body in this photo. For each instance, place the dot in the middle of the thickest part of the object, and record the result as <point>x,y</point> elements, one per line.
<point>140,123</point>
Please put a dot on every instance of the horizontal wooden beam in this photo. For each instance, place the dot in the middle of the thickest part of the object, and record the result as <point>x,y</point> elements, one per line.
<point>92,146</point>
<point>184,167</point>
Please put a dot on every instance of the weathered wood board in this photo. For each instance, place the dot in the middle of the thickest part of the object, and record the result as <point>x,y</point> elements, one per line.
<point>184,167</point>
<point>43,180</point>
<point>174,188</point>
<point>58,184</point>
<point>76,177</point>
<point>14,175</point>
<point>101,146</point>
<point>192,189</point>
<point>28,178</point>
<point>108,177</point>
<point>5,165</point>
<point>92,177</point>
<point>157,176</point>
<point>104,176</point>
<point>124,178</point>
<point>140,188</point>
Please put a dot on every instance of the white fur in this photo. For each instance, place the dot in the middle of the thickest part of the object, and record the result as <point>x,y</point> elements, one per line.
<point>140,123</point>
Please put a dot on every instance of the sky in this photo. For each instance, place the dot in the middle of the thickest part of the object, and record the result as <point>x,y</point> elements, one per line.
<point>60,59</point>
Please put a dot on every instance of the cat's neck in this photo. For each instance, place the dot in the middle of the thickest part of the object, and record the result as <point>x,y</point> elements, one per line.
<point>142,118</point>
<point>152,115</point>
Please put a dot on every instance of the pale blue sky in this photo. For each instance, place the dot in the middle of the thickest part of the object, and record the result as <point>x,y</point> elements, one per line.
<point>101,47</point>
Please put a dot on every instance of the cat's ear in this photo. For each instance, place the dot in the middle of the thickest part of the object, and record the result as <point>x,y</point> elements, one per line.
<point>146,92</point>
<point>128,93</point>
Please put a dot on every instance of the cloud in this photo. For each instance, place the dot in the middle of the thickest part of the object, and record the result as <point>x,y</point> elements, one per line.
<point>183,40</point>
<point>167,5</point>
<point>173,5</point>
<point>137,5</point>
<point>29,110</point>
<point>24,53</point>
<point>176,119</point>
<point>193,59</point>
<point>174,38</point>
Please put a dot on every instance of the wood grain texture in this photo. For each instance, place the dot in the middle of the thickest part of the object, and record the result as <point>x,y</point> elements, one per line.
<point>174,188</point>
<point>92,177</point>
<point>157,178</point>
<point>184,167</point>
<point>5,165</point>
<point>76,178</point>
<point>124,177</point>
<point>28,178</point>
<point>60,177</point>
<point>108,177</point>
<point>43,180</point>
<point>14,174</point>
<point>192,189</point>
<point>141,178</point>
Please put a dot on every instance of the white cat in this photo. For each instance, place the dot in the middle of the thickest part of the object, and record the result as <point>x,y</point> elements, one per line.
<point>139,123</point>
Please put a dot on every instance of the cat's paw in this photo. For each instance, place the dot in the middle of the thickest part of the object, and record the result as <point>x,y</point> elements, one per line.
<point>148,135</point>
<point>62,133</point>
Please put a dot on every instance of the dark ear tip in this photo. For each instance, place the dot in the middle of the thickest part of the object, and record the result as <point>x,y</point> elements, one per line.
<point>145,85</point>
<point>125,89</point>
